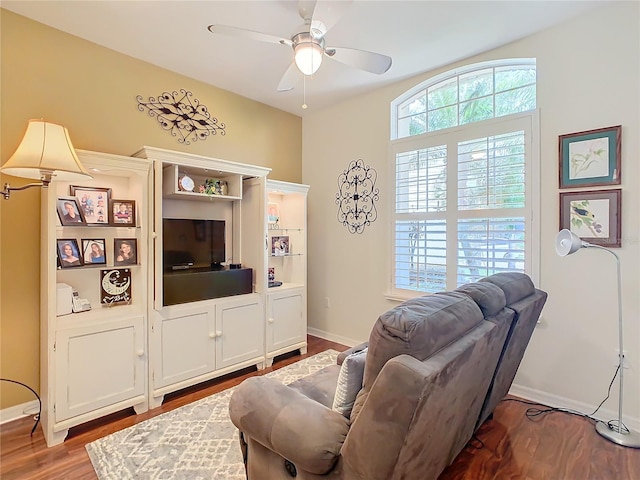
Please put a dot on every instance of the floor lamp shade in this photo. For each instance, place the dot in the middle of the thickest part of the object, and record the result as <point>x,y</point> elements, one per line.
<point>568,242</point>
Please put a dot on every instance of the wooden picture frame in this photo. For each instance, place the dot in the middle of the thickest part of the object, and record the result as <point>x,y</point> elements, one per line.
<point>68,253</point>
<point>69,212</point>
<point>125,251</point>
<point>94,202</point>
<point>93,251</point>
<point>122,213</point>
<point>595,216</point>
<point>591,158</point>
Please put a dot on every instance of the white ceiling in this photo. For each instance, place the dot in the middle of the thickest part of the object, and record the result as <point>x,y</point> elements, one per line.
<point>418,35</point>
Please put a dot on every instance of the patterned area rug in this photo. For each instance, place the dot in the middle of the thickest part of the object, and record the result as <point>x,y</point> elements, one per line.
<point>194,442</point>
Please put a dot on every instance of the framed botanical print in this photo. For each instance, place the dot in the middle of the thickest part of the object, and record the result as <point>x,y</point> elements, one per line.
<point>590,158</point>
<point>594,216</point>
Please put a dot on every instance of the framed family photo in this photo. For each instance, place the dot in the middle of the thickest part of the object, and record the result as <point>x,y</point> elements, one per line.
<point>590,158</point>
<point>125,251</point>
<point>123,212</point>
<point>594,216</point>
<point>93,251</point>
<point>68,253</point>
<point>280,245</point>
<point>69,211</point>
<point>94,202</point>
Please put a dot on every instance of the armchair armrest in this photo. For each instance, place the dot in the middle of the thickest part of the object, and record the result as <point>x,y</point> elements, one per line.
<point>349,351</point>
<point>282,419</point>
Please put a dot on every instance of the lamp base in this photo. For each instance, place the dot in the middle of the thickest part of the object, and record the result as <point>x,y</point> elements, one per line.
<point>629,439</point>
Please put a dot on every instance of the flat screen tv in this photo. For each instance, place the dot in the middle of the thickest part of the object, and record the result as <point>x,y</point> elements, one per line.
<point>189,243</point>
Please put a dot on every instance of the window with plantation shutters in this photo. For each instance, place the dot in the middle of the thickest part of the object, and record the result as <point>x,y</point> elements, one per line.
<point>465,196</point>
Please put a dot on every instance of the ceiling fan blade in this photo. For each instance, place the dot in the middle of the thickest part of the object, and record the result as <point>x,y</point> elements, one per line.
<point>290,78</point>
<point>250,34</point>
<point>368,61</point>
<point>327,13</point>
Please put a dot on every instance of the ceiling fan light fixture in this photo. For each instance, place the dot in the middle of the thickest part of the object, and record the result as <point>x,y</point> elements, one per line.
<point>308,52</point>
<point>308,57</point>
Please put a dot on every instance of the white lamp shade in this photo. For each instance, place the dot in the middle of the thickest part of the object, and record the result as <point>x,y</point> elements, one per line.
<point>308,57</point>
<point>568,242</point>
<point>45,150</point>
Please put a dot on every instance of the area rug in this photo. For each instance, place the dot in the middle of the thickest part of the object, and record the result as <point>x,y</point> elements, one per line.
<point>193,442</point>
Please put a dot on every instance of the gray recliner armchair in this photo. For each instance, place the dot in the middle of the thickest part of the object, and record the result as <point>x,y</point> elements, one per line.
<point>435,368</point>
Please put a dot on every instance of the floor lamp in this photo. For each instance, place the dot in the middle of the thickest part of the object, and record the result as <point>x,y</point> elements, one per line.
<point>567,243</point>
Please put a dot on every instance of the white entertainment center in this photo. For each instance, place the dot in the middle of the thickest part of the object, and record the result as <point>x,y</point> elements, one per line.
<point>185,323</point>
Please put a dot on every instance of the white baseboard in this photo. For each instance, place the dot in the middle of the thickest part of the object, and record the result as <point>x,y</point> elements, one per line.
<point>18,411</point>
<point>560,402</point>
<point>349,342</point>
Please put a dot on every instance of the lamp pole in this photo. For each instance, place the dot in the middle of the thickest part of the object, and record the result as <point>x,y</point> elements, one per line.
<point>567,243</point>
<point>618,434</point>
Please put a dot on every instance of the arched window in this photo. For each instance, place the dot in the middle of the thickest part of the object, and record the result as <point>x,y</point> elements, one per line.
<point>464,145</point>
<point>470,94</point>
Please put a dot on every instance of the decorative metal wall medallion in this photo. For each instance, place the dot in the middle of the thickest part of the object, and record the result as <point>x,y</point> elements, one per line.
<point>356,197</point>
<point>183,116</point>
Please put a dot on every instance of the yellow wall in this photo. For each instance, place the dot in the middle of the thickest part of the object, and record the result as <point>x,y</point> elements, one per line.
<point>92,91</point>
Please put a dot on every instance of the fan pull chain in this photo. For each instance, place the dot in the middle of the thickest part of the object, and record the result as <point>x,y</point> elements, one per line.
<point>304,92</point>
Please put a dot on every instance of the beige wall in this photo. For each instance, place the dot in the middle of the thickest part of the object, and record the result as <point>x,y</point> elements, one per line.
<point>92,91</point>
<point>588,77</point>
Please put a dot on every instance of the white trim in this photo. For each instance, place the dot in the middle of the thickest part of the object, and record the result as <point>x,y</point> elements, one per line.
<point>18,411</point>
<point>349,342</point>
<point>561,402</point>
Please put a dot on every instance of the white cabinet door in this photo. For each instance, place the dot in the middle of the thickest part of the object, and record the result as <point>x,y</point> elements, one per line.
<point>286,322</point>
<point>183,343</point>
<point>240,332</point>
<point>99,365</point>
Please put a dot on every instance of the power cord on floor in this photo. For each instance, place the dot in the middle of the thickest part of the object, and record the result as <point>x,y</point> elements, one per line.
<point>37,417</point>
<point>535,412</point>
<point>475,443</point>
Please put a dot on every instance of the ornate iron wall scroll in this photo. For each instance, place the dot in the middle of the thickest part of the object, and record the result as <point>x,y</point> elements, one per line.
<point>186,118</point>
<point>356,197</point>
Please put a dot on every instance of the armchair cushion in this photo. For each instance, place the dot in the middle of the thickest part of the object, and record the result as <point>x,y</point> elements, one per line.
<point>419,327</point>
<point>349,382</point>
<point>489,297</point>
<point>285,421</point>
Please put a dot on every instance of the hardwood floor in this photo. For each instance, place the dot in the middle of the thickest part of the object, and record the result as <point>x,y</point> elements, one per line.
<point>556,446</point>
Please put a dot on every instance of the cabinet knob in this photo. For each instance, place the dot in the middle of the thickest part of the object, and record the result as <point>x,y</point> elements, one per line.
<point>140,353</point>
<point>212,335</point>
<point>270,320</point>
<point>218,333</point>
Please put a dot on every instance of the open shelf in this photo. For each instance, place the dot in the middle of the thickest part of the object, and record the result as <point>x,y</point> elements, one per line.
<point>173,173</point>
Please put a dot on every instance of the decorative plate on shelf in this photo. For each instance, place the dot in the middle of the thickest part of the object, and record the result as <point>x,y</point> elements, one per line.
<point>186,184</point>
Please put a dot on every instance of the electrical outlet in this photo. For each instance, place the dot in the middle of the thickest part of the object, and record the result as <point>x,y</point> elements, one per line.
<point>327,303</point>
<point>625,361</point>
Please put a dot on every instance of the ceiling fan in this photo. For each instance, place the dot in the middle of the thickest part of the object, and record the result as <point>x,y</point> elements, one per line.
<point>308,42</point>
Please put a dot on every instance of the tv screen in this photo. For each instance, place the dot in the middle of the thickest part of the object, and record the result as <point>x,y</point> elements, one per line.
<point>189,243</point>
